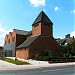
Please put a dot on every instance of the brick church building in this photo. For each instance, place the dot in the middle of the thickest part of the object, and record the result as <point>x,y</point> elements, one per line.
<point>26,45</point>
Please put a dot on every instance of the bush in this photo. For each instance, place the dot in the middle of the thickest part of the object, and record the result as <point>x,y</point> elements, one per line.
<point>48,58</point>
<point>39,57</point>
<point>2,57</point>
<point>42,58</point>
<point>62,59</point>
<point>45,58</point>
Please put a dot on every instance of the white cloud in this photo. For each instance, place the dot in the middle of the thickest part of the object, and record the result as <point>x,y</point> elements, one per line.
<point>73,11</point>
<point>72,34</point>
<point>56,8</point>
<point>37,3</point>
<point>3,32</point>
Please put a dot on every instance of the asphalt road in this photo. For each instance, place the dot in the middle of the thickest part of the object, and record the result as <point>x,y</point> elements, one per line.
<point>64,70</point>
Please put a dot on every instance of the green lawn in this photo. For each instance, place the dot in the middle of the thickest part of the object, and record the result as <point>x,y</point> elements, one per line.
<point>17,62</point>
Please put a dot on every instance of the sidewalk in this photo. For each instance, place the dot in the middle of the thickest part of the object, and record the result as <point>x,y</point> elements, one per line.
<point>33,64</point>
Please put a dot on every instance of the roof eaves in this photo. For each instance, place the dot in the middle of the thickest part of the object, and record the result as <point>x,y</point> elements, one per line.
<point>27,42</point>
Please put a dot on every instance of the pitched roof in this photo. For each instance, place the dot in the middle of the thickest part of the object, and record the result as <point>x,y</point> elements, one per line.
<point>42,17</point>
<point>10,46</point>
<point>27,42</point>
<point>65,40</point>
<point>60,41</point>
<point>69,40</point>
<point>10,33</point>
<point>29,33</point>
<point>20,32</point>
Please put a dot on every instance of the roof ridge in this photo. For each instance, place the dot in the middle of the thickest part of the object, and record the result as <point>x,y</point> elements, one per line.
<point>20,30</point>
<point>27,42</point>
<point>42,17</point>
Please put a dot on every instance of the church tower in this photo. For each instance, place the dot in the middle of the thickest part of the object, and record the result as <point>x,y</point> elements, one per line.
<point>42,25</point>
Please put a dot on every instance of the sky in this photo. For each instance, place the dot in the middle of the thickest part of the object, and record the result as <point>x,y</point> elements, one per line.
<point>20,14</point>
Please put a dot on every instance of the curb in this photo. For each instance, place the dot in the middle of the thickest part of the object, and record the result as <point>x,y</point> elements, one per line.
<point>37,66</point>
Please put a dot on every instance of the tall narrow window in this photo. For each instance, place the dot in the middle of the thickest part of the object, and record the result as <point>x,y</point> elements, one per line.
<point>13,39</point>
<point>9,41</point>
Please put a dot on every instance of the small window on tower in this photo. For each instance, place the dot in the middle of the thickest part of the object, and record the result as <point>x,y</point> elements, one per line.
<point>47,24</point>
<point>36,25</point>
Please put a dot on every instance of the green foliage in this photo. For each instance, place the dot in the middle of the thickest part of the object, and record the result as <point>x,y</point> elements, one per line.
<point>61,57</point>
<point>42,58</point>
<point>17,62</point>
<point>46,53</point>
<point>2,57</point>
<point>39,58</point>
<point>73,48</point>
<point>69,49</point>
<point>46,58</point>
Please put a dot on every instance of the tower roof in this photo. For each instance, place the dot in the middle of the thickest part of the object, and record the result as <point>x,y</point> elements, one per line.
<point>42,17</point>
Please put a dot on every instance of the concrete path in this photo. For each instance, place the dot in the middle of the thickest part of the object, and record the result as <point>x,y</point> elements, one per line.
<point>33,64</point>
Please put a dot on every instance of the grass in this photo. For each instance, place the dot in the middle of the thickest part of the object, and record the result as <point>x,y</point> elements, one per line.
<point>17,62</point>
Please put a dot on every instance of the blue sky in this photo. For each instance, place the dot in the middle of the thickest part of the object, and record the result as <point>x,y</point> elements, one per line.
<point>20,14</point>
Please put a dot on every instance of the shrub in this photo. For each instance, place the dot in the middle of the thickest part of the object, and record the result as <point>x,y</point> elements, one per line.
<point>2,57</point>
<point>39,57</point>
<point>42,58</point>
<point>45,58</point>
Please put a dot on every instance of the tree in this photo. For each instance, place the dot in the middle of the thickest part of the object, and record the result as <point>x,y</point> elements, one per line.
<point>69,49</point>
<point>73,48</point>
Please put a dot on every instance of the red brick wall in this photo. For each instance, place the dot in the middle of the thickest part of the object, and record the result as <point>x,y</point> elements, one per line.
<point>14,35</point>
<point>41,44</point>
<point>6,40</point>
<point>42,29</point>
<point>46,29</point>
<point>9,36</point>
<point>22,53</point>
<point>36,30</point>
<point>20,39</point>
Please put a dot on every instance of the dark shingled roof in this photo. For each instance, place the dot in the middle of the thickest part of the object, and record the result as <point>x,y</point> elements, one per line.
<point>29,33</point>
<point>65,40</point>
<point>42,17</point>
<point>27,42</point>
<point>69,40</point>
<point>59,41</point>
<point>20,32</point>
